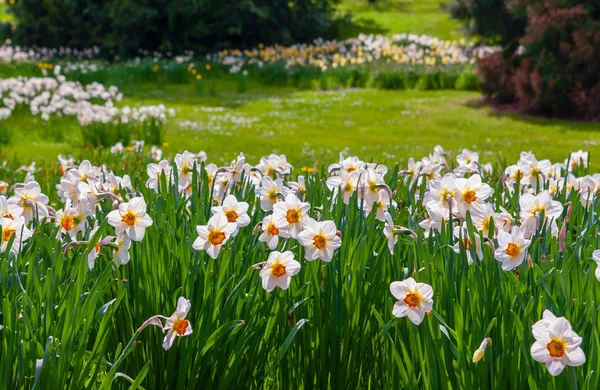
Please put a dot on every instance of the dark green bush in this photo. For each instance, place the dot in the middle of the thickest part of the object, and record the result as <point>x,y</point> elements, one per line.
<point>124,27</point>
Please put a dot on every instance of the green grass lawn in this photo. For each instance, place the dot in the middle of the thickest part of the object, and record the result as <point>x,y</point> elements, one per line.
<point>390,17</point>
<point>316,125</point>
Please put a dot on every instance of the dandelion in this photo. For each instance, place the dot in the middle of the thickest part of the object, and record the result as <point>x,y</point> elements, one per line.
<point>278,270</point>
<point>212,236</point>
<point>131,219</point>
<point>319,239</point>
<point>556,345</point>
<point>414,299</point>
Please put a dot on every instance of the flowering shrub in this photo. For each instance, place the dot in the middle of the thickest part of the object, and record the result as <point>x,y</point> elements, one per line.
<point>553,67</point>
<point>438,270</point>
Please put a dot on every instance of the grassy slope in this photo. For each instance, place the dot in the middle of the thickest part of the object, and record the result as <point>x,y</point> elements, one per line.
<point>317,125</point>
<point>311,125</point>
<point>399,16</point>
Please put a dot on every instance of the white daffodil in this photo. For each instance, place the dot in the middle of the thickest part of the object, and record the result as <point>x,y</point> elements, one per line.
<point>271,232</point>
<point>155,172</point>
<point>464,240</point>
<point>9,210</point>
<point>269,192</point>
<point>414,299</point>
<point>441,195</point>
<point>13,229</point>
<point>556,345</point>
<point>596,257</point>
<point>390,234</point>
<point>346,182</point>
<point>291,214</point>
<point>213,235</point>
<point>512,248</point>
<point>531,207</point>
<point>319,239</point>
<point>471,194</point>
<point>121,254</point>
<point>278,270</point>
<point>177,325</point>
<point>235,212</point>
<point>31,200</point>
<point>131,219</point>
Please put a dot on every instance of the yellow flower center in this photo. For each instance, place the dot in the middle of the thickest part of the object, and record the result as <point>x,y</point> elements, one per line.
<point>292,216</point>
<point>180,326</point>
<point>7,234</point>
<point>272,229</point>
<point>413,299</point>
<point>273,194</point>
<point>446,194</point>
<point>319,241</point>
<point>129,218</point>
<point>216,237</point>
<point>467,243</point>
<point>513,249</point>
<point>278,269</point>
<point>231,216</point>
<point>556,347</point>
<point>469,196</point>
<point>67,222</point>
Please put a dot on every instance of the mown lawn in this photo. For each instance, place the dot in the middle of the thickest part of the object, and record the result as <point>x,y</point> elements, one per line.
<point>390,17</point>
<point>316,125</point>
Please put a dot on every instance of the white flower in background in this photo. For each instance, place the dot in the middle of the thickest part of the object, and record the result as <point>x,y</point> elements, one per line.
<point>155,172</point>
<point>556,345</point>
<point>291,214</point>
<point>31,200</point>
<point>185,166</point>
<point>441,195</point>
<point>482,219</point>
<point>390,234</point>
<point>369,186</point>
<point>117,148</point>
<point>9,210</point>
<point>271,232</point>
<point>278,270</point>
<point>471,193</point>
<point>531,207</point>
<point>464,240</point>
<point>319,239</point>
<point>95,252</point>
<point>155,153</point>
<point>131,219</point>
<point>13,229</point>
<point>512,248</point>
<point>121,254</point>
<point>347,182</point>
<point>298,186</point>
<point>578,159</point>
<point>596,257</point>
<point>213,235</point>
<point>177,325</point>
<point>467,157</point>
<point>414,299</point>
<point>269,192</point>
<point>235,212</point>
<point>534,172</point>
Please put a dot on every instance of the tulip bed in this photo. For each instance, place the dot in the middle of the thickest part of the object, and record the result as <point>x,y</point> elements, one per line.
<point>125,270</point>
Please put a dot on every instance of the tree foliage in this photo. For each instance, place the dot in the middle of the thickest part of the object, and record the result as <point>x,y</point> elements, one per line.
<point>126,26</point>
